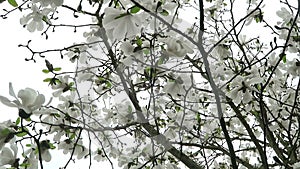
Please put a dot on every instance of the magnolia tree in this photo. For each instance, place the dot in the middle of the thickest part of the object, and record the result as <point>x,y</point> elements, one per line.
<point>218,89</point>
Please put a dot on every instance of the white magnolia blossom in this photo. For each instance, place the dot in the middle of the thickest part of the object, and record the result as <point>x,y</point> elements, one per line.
<point>44,151</point>
<point>61,86</point>
<point>120,24</point>
<point>8,155</point>
<point>177,47</point>
<point>5,131</point>
<point>79,53</point>
<point>294,67</point>
<point>32,161</point>
<point>99,156</point>
<point>30,99</point>
<point>253,15</point>
<point>296,165</point>
<point>34,20</point>
<point>53,3</point>
<point>68,145</point>
<point>127,48</point>
<point>285,15</point>
<point>242,88</point>
<point>178,85</point>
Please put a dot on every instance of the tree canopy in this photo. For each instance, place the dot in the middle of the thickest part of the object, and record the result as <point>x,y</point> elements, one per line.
<point>160,84</point>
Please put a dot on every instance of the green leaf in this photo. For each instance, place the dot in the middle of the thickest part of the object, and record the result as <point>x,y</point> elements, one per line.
<point>22,134</point>
<point>139,41</point>
<point>72,136</point>
<point>45,19</point>
<point>57,69</point>
<point>2,1</point>
<point>47,80</point>
<point>52,81</point>
<point>71,84</point>
<point>164,13</point>
<point>45,71</point>
<point>25,165</point>
<point>135,9</point>
<point>52,146</point>
<point>13,3</point>
<point>283,56</point>
<point>108,84</point>
<point>177,108</point>
<point>18,121</point>
<point>198,118</point>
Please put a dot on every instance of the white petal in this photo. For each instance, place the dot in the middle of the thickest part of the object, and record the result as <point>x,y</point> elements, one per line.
<point>6,102</point>
<point>119,32</point>
<point>11,90</point>
<point>58,2</point>
<point>14,147</point>
<point>27,96</point>
<point>255,80</point>
<point>6,156</point>
<point>247,97</point>
<point>112,11</point>
<point>238,98</point>
<point>46,156</point>
<point>31,26</point>
<point>39,101</point>
<point>40,26</point>
<point>127,48</point>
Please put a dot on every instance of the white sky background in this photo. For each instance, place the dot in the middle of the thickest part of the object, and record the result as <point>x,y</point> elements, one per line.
<point>22,74</point>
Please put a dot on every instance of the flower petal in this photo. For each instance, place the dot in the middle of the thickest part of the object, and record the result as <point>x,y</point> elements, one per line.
<point>27,96</point>
<point>6,101</point>
<point>247,97</point>
<point>11,90</point>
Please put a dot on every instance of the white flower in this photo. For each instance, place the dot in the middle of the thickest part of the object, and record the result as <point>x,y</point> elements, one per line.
<point>80,151</point>
<point>35,18</point>
<point>294,67</point>
<point>242,87</point>
<point>61,86</point>
<point>285,15</point>
<point>177,48</point>
<point>31,100</point>
<point>120,24</point>
<point>127,48</point>
<point>296,165</point>
<point>176,86</point>
<point>8,155</point>
<point>99,156</point>
<point>85,76</point>
<point>53,3</point>
<point>78,53</point>
<point>44,151</point>
<point>32,161</point>
<point>67,146</point>
<point>6,133</point>
<point>256,14</point>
